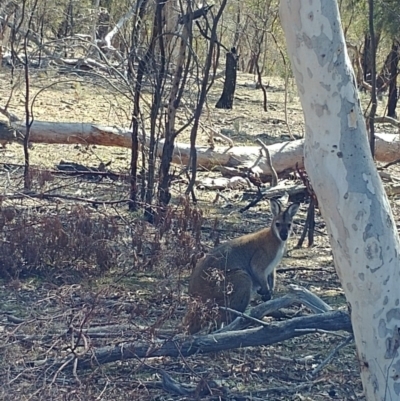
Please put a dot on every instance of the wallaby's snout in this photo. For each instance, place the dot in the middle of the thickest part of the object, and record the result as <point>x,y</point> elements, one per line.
<point>284,233</point>
<point>282,223</point>
<point>230,272</point>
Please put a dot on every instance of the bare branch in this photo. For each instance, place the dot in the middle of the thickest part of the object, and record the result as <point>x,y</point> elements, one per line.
<point>182,346</point>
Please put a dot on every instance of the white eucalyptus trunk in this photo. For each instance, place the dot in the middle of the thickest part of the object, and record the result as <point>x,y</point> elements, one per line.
<point>353,202</point>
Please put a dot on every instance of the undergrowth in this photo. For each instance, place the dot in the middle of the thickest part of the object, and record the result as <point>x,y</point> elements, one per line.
<point>87,241</point>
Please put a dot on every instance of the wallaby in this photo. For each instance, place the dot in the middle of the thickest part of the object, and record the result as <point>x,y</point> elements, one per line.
<point>230,272</point>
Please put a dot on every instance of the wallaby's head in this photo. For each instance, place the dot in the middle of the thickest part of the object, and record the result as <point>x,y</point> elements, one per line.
<point>282,222</point>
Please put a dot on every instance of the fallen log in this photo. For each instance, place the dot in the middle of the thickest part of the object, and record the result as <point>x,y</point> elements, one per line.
<point>215,342</point>
<point>284,155</point>
<point>181,345</point>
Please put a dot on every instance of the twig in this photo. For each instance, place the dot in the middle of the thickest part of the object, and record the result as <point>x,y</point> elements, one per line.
<point>15,319</point>
<point>310,222</point>
<point>320,331</point>
<point>75,373</point>
<point>241,314</point>
<point>219,195</point>
<point>11,116</point>
<point>297,268</point>
<point>331,355</point>
<point>172,386</point>
<point>302,360</point>
<point>391,163</point>
<point>274,175</point>
<point>215,133</point>
<point>309,225</point>
<point>388,120</point>
<point>260,197</point>
<point>68,360</point>
<point>275,192</point>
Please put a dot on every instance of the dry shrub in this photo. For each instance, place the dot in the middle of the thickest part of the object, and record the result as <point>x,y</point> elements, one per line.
<point>201,315</point>
<point>48,241</point>
<point>181,230</point>
<point>35,242</point>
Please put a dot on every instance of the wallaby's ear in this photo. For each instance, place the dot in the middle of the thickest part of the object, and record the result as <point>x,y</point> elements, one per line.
<point>292,209</point>
<point>275,207</point>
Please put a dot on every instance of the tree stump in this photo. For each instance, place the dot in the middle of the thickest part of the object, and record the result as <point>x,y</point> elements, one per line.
<point>226,99</point>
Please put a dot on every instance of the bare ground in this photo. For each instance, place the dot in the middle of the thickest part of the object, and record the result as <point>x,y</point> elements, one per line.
<point>67,266</point>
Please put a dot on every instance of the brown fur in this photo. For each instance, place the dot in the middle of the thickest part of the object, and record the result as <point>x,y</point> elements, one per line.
<point>229,273</point>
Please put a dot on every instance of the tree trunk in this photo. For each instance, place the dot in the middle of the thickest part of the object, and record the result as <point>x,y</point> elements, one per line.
<point>366,58</point>
<point>226,99</point>
<point>170,17</point>
<point>353,203</point>
<point>204,88</point>
<point>138,12</point>
<point>136,111</point>
<point>393,69</point>
<point>158,54</point>
<point>178,84</point>
<point>66,27</point>
<point>251,64</point>
<point>374,100</point>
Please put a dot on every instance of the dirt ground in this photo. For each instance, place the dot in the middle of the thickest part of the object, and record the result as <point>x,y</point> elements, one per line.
<point>79,265</point>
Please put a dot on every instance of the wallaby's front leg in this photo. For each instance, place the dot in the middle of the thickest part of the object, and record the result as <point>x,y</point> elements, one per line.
<point>262,283</point>
<point>271,281</point>
<point>267,290</point>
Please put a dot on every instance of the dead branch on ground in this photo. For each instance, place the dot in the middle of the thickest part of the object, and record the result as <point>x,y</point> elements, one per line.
<point>277,332</point>
<point>326,319</point>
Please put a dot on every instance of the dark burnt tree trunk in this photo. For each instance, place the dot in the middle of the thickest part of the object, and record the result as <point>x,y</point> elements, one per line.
<point>383,78</point>
<point>226,99</point>
<point>135,134</point>
<point>251,65</point>
<point>366,58</point>
<point>66,28</point>
<point>136,116</point>
<point>393,69</point>
<point>183,64</point>
<point>205,87</point>
<point>374,102</point>
<point>103,24</point>
<point>67,24</point>
<point>133,56</point>
<point>158,39</point>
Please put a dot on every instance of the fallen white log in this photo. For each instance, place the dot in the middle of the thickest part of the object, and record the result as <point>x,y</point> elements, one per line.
<point>387,147</point>
<point>284,155</point>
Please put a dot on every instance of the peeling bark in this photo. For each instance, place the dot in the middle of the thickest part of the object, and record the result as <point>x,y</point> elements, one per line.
<point>352,200</point>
